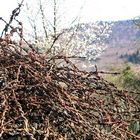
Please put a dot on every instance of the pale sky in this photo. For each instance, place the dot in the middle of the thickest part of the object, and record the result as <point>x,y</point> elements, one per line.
<point>112,9</point>
<point>93,10</point>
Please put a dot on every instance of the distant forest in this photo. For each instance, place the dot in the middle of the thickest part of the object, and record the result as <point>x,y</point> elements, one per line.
<point>133,58</point>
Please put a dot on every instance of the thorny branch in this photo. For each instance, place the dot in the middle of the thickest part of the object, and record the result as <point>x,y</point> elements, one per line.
<point>75,103</point>
<point>15,14</point>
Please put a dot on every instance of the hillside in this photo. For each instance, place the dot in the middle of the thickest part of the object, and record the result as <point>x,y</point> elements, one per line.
<point>123,45</point>
<point>120,47</point>
<point>124,33</point>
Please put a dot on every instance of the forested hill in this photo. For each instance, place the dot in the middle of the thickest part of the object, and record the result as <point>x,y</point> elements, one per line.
<point>91,40</point>
<point>123,44</point>
<point>124,33</point>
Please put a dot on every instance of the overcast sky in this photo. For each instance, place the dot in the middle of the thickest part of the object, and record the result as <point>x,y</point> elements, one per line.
<point>93,10</point>
<point>112,9</point>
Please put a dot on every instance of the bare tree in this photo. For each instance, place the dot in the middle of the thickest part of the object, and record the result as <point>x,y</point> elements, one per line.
<point>67,40</point>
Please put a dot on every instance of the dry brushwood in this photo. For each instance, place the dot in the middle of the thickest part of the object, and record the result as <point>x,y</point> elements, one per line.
<point>41,99</point>
<point>51,99</point>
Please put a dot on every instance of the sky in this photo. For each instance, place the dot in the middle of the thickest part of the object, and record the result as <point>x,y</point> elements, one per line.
<point>92,9</point>
<point>111,9</point>
<point>89,10</point>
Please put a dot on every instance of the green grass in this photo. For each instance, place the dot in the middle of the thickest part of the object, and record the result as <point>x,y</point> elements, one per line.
<point>128,79</point>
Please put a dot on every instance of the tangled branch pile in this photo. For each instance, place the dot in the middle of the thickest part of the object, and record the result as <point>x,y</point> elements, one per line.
<point>52,99</point>
<point>44,99</point>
